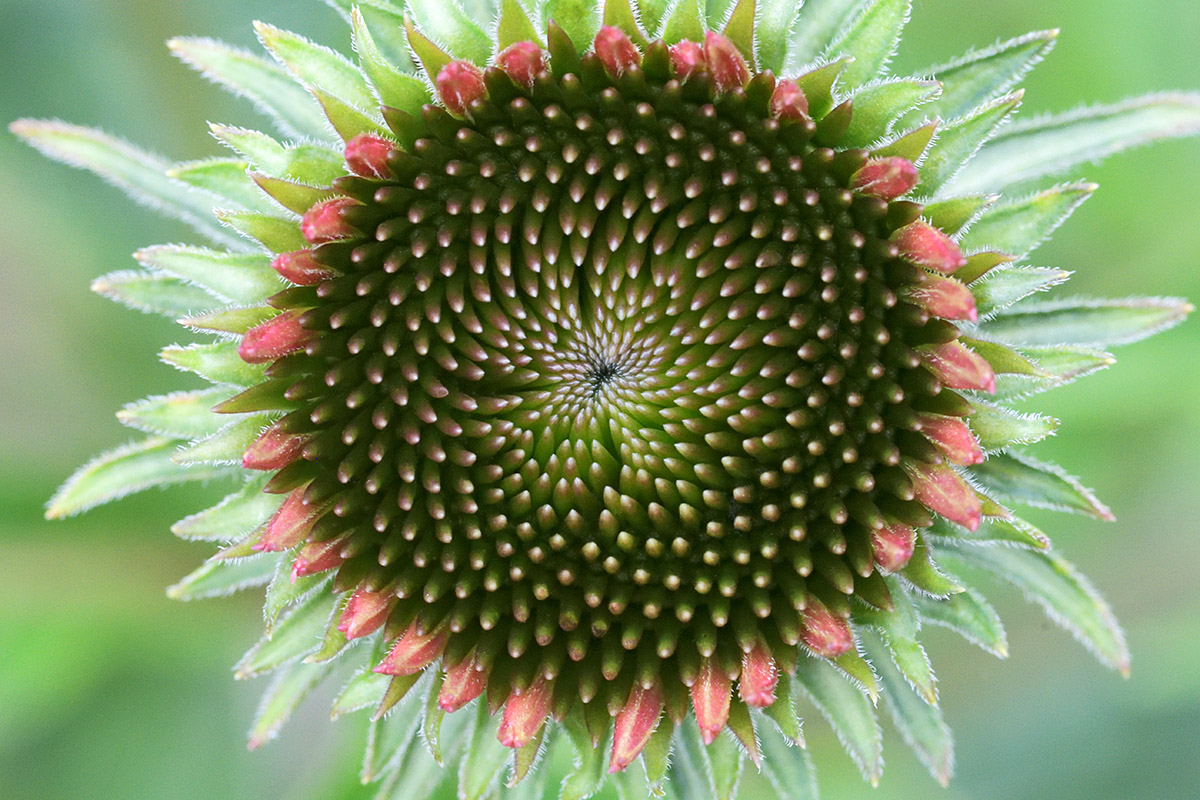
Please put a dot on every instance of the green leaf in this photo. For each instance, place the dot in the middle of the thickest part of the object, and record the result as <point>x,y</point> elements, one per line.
<point>315,66</point>
<point>652,12</point>
<point>967,614</point>
<point>277,234</point>
<point>1004,285</point>
<point>220,577</point>
<point>957,143</point>
<point>445,22</point>
<point>348,120</point>
<point>878,105</point>
<point>956,214</point>
<point>871,39</point>
<point>283,592</point>
<point>230,320</point>
<point>227,445</point>
<point>391,739</point>
<point>218,362</point>
<point>316,165</point>
<point>848,711</point>
<point>685,20</point>
<point>588,773</point>
<point>817,86</point>
<point>480,770</point>
<point>1019,226</point>
<point>287,690</point>
<point>776,21</point>
<point>225,179</point>
<point>431,727</point>
<point>297,635</point>
<point>364,690</point>
<point>900,627</point>
<point>1055,144</point>
<point>235,516</point>
<point>1020,478</point>
<point>789,769</point>
<point>619,14</point>
<point>990,532</point>
<point>515,26</point>
<point>657,757</point>
<point>155,294</point>
<point>923,573</point>
<point>998,428</point>
<point>1060,364</point>
<point>726,760</point>
<point>783,711</point>
<point>141,175</point>
<point>1089,322</point>
<point>266,85</point>
<point>418,776</point>
<point>295,197</point>
<point>738,27</point>
<point>179,415</point>
<point>386,22</point>
<point>396,87</point>
<point>981,76</point>
<point>122,471</point>
<point>691,774</point>
<point>1004,360</point>
<point>1066,596</point>
<point>816,25</point>
<point>580,19</point>
<point>235,277</point>
<point>919,721</point>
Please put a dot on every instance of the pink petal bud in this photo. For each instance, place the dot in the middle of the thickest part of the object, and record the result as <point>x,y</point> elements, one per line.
<point>941,489</point>
<point>413,651</point>
<point>886,178</point>
<point>462,684</point>
<point>893,546</point>
<point>274,339</point>
<point>788,101</point>
<point>274,449</point>
<point>952,437</point>
<point>367,155</point>
<point>825,633</point>
<point>459,84</point>
<point>634,725</point>
<point>290,524</point>
<point>366,612</point>
<point>323,222</point>
<point>759,676</point>
<point>615,51</point>
<point>525,713</point>
<point>301,268</point>
<point>959,368</point>
<point>725,62</point>
<point>522,62</point>
<point>687,58</point>
<point>926,246</point>
<point>710,698</point>
<point>943,297</point>
<point>317,557</point>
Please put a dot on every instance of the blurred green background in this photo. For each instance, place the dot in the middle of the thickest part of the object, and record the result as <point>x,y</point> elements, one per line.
<point>109,690</point>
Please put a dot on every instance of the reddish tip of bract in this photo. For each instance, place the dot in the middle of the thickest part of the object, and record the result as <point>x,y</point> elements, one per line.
<point>941,489</point>
<point>634,725</point>
<point>886,178</point>
<point>958,367</point>
<point>289,525</point>
<point>324,223</point>
<point>274,339</point>
<point>365,613</point>
<point>525,713</point>
<point>926,246</point>
<point>944,297</point>
<point>725,62</point>
<point>687,58</point>
<point>413,651</point>
<point>317,557</point>
<point>710,699</point>
<point>459,84</point>
<point>788,101</point>
<point>825,633</point>
<point>462,684</point>
<point>756,686</point>
<point>952,437</point>
<point>615,50</point>
<point>274,449</point>
<point>893,546</point>
<point>522,62</point>
<point>301,268</point>
<point>367,155</point>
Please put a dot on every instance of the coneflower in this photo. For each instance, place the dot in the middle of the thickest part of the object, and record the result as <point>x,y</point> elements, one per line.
<point>606,381</point>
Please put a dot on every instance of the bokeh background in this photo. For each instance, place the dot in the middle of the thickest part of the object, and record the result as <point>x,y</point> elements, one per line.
<point>109,690</point>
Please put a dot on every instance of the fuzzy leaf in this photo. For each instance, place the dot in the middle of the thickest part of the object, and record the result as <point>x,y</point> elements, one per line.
<point>992,531</point>
<point>969,615</point>
<point>1002,286</point>
<point>739,27</point>
<point>1004,360</point>
<point>236,277</point>
<point>818,84</point>
<point>280,700</point>
<point>220,577</point>
<point>179,415</point>
<point>485,760</point>
<point>227,445</point>
<point>445,22</point>
<point>1055,144</point>
<point>277,234</point>
<point>229,320</point>
<point>588,774</point>
<point>878,105</point>
<point>900,627</point>
<point>295,636</point>
<point>515,26</point>
<point>390,739</point>
<point>267,85</point>
<point>998,428</point>
<point>225,179</point>
<point>726,761</point>
<point>386,22</point>
<point>1060,364</point>
<point>685,20</point>
<point>925,574</point>
<point>783,711</point>
<point>958,142</point>
<point>364,690</point>
<point>396,87</point>
<point>848,711</point>
<point>789,769</point>
<point>155,294</point>
<point>316,66</point>
<point>141,175</point>
<point>316,165</point>
<point>776,21</point>
<point>691,774</point>
<point>295,197</point>
<point>1019,226</point>
<point>579,18</point>
<point>652,13</point>
<point>871,39</point>
<point>619,14</point>
<point>656,758</point>
<point>955,214</point>
<point>348,120</point>
<point>218,363</point>
<point>417,776</point>
<point>1089,322</point>
<point>1066,596</point>
<point>1021,479</point>
<point>818,22</point>
<point>283,592</point>
<point>235,516</point>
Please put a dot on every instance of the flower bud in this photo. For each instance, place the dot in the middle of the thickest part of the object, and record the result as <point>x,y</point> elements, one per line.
<point>725,62</point>
<point>522,62</point>
<point>299,267</point>
<point>825,633</point>
<point>952,437</point>
<point>615,50</point>
<point>687,58</point>
<point>759,676</point>
<point>462,684</point>
<point>710,698</point>
<point>289,525</point>
<point>788,101</point>
<point>459,84</point>
<point>943,297</point>
<point>926,246</point>
<point>324,223</point>
<point>959,368</point>
<point>414,651</point>
<point>525,713</point>
<point>367,155</point>
<point>274,449</point>
<point>893,546</point>
<point>634,725</point>
<point>366,612</point>
<point>317,557</point>
<point>274,339</point>
<point>886,178</point>
<point>941,489</point>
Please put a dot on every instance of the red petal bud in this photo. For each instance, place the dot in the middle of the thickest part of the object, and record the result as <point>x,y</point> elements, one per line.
<point>710,698</point>
<point>413,652</point>
<point>725,62</point>
<point>959,368</point>
<point>634,725</point>
<point>290,524</point>
<point>459,84</point>
<point>759,676</point>
<point>926,246</point>
<point>366,612</point>
<point>317,557</point>
<point>943,297</point>
<point>825,633</point>
<point>687,58</point>
<point>301,268</point>
<point>274,339</point>
<point>323,222</point>
<point>367,155</point>
<point>943,490</point>
<point>893,546</point>
<point>788,101</point>
<point>952,437</point>
<point>462,684</point>
<point>522,62</point>
<point>274,449</point>
<point>886,178</point>
<point>615,51</point>
<point>525,713</point>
